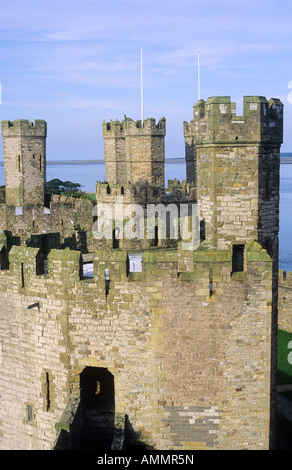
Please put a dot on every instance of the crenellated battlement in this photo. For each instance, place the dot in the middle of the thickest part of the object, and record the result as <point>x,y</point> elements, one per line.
<point>215,121</point>
<point>74,202</point>
<point>285,278</point>
<point>176,192</point>
<point>182,292</point>
<point>65,265</point>
<point>106,191</point>
<point>129,127</point>
<point>23,127</point>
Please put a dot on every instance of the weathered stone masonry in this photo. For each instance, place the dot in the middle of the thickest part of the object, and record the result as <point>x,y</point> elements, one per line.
<point>160,335</point>
<point>25,161</point>
<point>190,340</point>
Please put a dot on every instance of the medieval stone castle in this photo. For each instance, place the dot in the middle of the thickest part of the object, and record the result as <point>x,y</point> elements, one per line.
<point>179,354</point>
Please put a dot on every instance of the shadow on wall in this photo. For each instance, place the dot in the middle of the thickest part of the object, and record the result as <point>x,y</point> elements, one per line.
<point>132,440</point>
<point>99,430</point>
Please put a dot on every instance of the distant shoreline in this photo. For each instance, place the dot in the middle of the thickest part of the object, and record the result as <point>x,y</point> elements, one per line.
<point>97,162</point>
<point>285,158</point>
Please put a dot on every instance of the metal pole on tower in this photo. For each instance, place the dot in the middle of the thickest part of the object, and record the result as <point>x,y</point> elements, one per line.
<point>142,100</point>
<point>199,79</point>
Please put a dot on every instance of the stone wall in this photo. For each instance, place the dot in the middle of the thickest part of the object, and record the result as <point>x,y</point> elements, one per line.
<point>285,301</point>
<point>63,216</point>
<point>191,359</point>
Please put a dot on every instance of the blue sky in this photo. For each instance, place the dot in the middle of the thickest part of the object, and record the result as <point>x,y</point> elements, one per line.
<point>77,63</point>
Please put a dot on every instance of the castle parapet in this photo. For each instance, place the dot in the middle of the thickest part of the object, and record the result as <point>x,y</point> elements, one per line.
<point>24,127</point>
<point>215,121</point>
<point>285,278</point>
<point>56,199</point>
<point>110,192</point>
<point>129,127</point>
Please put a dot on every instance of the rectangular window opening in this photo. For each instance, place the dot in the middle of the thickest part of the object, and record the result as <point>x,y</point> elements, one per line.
<point>156,237</point>
<point>238,258</point>
<point>116,235</point>
<point>211,283</point>
<point>29,414</point>
<point>48,398</point>
<point>107,282</point>
<point>22,275</point>
<point>135,262</point>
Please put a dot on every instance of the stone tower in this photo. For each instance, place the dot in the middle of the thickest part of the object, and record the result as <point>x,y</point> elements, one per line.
<point>234,161</point>
<point>135,153</point>
<point>24,161</point>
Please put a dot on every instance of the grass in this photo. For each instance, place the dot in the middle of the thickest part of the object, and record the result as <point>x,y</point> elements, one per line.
<point>92,196</point>
<point>284,375</point>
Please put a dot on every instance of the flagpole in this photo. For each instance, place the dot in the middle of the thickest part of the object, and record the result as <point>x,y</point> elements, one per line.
<point>199,81</point>
<point>142,101</point>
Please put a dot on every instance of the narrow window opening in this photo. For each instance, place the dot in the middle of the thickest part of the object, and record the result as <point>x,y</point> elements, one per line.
<point>155,239</point>
<point>238,258</point>
<point>48,398</point>
<point>116,242</point>
<point>22,275</point>
<point>202,230</point>
<point>122,190</point>
<point>18,162</point>
<point>40,163</point>
<point>211,283</point>
<point>29,414</point>
<point>108,189</point>
<point>107,282</point>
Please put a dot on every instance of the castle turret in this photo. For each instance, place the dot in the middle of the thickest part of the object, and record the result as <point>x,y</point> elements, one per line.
<point>235,160</point>
<point>135,153</point>
<point>24,161</point>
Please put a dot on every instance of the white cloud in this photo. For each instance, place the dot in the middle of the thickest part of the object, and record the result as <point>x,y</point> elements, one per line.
<point>84,55</point>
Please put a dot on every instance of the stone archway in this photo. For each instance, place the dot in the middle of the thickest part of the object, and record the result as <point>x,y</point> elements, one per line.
<point>98,404</point>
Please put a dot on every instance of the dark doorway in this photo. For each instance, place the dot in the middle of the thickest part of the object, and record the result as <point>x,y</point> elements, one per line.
<point>98,400</point>
<point>116,242</point>
<point>155,239</point>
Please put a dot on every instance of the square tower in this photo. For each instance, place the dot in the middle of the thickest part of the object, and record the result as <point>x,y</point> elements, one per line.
<point>24,161</point>
<point>135,153</point>
<point>235,163</point>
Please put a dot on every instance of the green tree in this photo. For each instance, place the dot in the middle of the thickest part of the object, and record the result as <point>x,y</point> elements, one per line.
<point>67,188</point>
